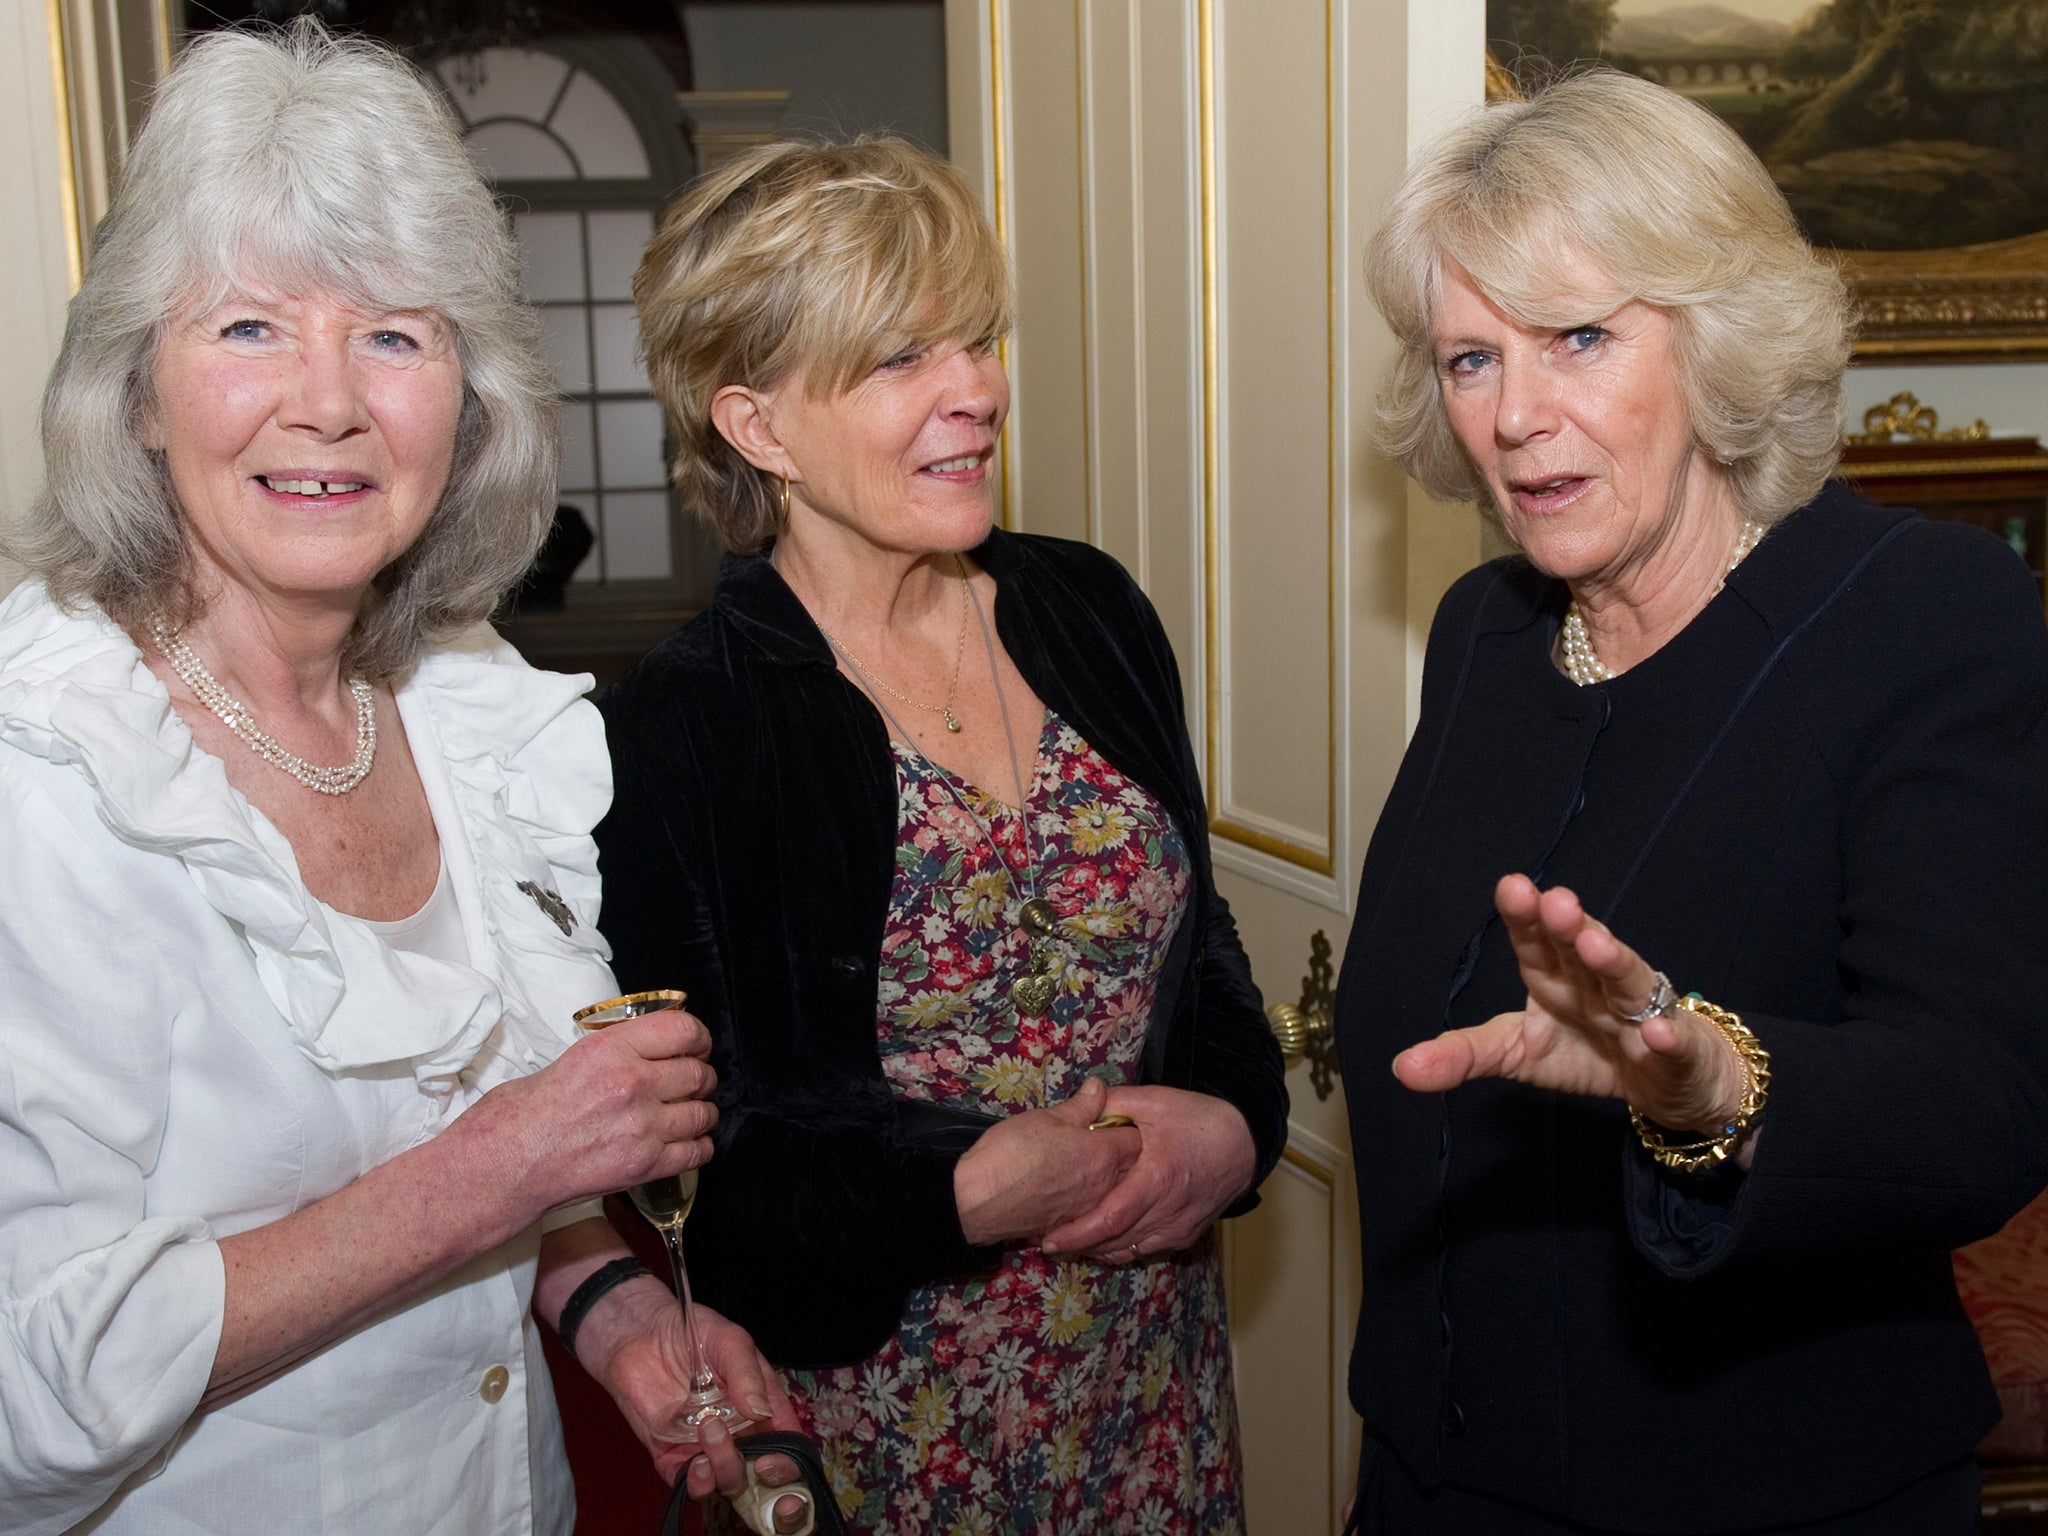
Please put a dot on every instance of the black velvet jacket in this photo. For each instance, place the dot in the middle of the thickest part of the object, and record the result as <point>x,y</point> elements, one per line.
<point>1824,804</point>
<point>748,858</point>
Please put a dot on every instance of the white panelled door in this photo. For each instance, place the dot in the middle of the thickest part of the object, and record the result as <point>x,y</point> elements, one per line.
<point>1187,185</point>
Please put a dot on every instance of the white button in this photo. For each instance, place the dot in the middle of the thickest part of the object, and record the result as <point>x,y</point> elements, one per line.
<point>493,1386</point>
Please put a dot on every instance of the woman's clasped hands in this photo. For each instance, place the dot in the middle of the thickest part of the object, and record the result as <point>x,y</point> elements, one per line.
<point>1118,1193</point>
<point>1573,1035</point>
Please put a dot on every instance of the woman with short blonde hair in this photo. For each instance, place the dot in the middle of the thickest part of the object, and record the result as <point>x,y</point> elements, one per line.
<point>1684,217</point>
<point>822,257</point>
<point>912,813</point>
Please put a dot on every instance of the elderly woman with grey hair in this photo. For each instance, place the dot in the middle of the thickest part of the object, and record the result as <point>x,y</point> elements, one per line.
<point>1639,1259</point>
<point>298,889</point>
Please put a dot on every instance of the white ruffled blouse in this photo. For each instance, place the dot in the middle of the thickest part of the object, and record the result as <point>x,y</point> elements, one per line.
<point>192,1045</point>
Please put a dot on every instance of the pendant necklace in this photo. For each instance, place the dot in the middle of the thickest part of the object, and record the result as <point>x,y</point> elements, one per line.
<point>1033,992</point>
<point>943,709</point>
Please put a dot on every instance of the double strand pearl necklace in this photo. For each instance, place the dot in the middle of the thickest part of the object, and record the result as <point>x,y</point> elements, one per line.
<point>1583,667</point>
<point>236,716</point>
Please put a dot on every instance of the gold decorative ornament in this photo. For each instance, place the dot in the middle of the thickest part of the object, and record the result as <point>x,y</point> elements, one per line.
<point>1903,417</point>
<point>1971,303</point>
<point>1308,1029</point>
<point>1707,1152</point>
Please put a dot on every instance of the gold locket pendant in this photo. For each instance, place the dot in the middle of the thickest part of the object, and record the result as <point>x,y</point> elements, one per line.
<point>1034,991</point>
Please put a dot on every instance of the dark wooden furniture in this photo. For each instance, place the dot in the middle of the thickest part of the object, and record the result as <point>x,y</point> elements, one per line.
<point>1997,483</point>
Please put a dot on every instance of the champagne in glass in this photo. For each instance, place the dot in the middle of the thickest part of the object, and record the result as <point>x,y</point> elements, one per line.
<point>666,1205</point>
<point>666,1202</point>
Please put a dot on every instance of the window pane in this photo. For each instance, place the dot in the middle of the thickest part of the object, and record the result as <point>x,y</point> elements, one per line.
<point>598,130</point>
<point>579,460</point>
<point>617,330</point>
<point>616,241</point>
<point>506,151</point>
<point>550,255</point>
<point>563,342</point>
<point>636,535</point>
<point>517,82</point>
<point>629,432</point>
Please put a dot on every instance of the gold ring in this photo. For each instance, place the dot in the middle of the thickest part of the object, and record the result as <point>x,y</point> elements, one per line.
<point>616,1010</point>
<point>1134,1253</point>
<point>1111,1123</point>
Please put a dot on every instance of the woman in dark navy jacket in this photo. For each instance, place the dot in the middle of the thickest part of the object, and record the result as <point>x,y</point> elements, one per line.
<point>1639,1260</point>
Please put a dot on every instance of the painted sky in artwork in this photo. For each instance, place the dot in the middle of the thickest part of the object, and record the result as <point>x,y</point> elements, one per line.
<point>1783,11</point>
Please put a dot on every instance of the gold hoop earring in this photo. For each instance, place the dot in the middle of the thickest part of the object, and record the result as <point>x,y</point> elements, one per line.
<point>782,497</point>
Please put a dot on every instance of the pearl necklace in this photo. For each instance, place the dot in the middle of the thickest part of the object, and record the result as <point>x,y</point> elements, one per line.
<point>1582,666</point>
<point>236,716</point>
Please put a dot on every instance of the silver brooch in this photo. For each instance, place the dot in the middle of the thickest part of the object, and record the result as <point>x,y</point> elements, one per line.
<point>557,909</point>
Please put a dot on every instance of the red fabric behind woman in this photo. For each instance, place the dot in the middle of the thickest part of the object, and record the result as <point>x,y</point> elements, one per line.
<point>2004,1286</point>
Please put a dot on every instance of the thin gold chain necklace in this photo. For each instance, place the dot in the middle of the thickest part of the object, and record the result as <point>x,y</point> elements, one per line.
<point>1034,991</point>
<point>1583,667</point>
<point>238,718</point>
<point>943,709</point>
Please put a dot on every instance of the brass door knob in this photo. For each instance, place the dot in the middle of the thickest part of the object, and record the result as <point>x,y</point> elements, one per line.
<point>1306,1030</point>
<point>1298,1032</point>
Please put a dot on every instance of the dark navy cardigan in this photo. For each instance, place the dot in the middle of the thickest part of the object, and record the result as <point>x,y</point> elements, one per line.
<point>748,858</point>
<point>1824,805</point>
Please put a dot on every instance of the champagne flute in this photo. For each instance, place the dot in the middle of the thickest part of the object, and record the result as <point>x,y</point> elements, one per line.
<point>666,1205</point>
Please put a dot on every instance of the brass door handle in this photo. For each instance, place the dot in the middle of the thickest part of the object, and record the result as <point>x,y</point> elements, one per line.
<point>1307,1029</point>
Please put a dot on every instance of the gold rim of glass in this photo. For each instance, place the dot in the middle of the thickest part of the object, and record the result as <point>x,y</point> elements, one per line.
<point>631,1006</point>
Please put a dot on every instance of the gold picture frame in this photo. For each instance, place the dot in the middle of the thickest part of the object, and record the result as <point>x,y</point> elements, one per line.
<point>1972,304</point>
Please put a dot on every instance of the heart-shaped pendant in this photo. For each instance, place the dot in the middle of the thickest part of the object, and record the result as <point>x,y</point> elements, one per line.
<point>1033,994</point>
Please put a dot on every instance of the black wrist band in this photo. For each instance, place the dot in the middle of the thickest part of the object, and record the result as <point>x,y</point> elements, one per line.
<point>596,1285</point>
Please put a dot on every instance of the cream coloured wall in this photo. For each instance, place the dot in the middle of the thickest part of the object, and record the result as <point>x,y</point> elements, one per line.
<point>1187,188</point>
<point>2010,398</point>
<point>34,252</point>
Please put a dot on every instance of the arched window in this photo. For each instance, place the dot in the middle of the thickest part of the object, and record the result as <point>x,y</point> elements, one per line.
<point>580,138</point>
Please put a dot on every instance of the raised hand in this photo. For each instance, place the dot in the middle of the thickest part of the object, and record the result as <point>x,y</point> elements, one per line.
<point>1679,1071</point>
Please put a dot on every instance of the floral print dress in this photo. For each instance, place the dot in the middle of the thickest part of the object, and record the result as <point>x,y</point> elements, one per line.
<point>1054,1395</point>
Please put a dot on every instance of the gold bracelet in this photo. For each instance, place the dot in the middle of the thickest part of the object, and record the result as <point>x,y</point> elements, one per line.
<point>1699,1156</point>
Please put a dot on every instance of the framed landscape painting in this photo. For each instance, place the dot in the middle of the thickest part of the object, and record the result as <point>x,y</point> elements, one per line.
<point>1909,136</point>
